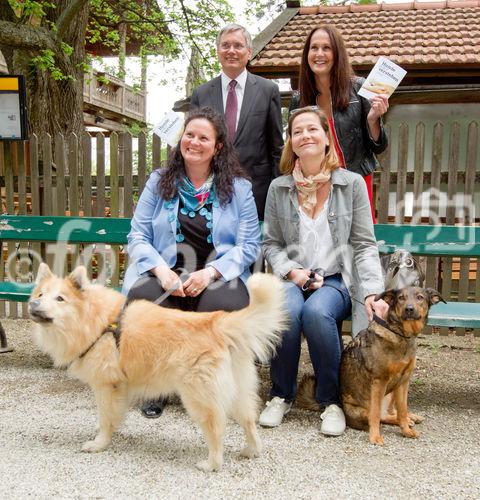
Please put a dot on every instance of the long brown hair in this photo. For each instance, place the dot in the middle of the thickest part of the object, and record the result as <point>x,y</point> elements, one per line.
<point>341,74</point>
<point>288,159</point>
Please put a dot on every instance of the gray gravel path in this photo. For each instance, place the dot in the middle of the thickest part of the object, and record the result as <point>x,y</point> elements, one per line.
<point>45,417</point>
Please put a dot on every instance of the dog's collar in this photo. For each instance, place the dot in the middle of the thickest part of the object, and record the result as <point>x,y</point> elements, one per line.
<point>385,325</point>
<point>113,328</point>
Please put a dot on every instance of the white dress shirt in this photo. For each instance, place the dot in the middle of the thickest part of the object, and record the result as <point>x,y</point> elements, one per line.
<point>239,89</point>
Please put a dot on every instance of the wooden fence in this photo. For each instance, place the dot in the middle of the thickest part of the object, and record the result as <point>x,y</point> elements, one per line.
<point>430,178</point>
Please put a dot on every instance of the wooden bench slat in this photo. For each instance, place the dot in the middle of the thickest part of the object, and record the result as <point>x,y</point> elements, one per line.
<point>60,228</point>
<point>455,314</point>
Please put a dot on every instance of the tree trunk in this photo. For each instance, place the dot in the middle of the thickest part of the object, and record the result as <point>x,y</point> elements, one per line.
<point>55,105</point>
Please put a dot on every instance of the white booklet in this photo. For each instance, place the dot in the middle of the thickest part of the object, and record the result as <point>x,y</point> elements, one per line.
<point>170,128</point>
<point>383,79</point>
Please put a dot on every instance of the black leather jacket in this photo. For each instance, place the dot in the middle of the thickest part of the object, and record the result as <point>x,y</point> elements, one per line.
<point>351,127</point>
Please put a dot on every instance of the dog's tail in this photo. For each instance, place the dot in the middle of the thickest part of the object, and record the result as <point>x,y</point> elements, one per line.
<point>258,327</point>
<point>306,394</point>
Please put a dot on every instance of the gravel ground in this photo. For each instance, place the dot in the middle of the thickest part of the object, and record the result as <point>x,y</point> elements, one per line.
<point>45,417</point>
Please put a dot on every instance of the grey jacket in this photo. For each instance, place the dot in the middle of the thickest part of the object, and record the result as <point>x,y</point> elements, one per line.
<point>351,227</point>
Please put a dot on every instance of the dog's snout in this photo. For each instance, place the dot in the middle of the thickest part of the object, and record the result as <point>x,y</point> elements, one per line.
<point>34,304</point>
<point>410,309</point>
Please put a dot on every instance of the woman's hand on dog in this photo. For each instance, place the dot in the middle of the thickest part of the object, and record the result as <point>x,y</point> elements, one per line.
<point>301,276</point>
<point>379,307</point>
<point>169,279</point>
<point>197,281</point>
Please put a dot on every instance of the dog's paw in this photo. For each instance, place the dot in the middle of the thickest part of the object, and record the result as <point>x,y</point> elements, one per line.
<point>414,419</point>
<point>249,452</point>
<point>410,433</point>
<point>94,446</point>
<point>206,466</point>
<point>377,439</point>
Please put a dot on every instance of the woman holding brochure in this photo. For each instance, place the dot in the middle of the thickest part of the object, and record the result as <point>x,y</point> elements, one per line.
<point>327,80</point>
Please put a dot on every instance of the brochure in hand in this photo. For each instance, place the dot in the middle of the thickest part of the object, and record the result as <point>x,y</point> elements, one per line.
<point>170,128</point>
<point>383,79</point>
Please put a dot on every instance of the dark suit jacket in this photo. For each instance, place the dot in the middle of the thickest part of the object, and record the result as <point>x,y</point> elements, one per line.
<point>258,140</point>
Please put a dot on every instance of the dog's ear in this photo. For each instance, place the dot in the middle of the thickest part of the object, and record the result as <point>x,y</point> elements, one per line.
<point>43,272</point>
<point>79,277</point>
<point>433,296</point>
<point>388,296</point>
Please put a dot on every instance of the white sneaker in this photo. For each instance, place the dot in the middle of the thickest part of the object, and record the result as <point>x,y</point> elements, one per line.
<point>333,421</point>
<point>273,413</point>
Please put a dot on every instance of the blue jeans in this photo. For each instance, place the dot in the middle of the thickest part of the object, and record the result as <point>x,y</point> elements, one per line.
<point>318,315</point>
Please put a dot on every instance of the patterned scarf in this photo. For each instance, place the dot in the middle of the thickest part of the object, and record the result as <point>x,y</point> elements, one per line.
<point>307,187</point>
<point>194,199</point>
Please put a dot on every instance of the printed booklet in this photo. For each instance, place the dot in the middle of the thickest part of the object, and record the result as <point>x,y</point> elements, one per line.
<point>170,128</point>
<point>383,79</point>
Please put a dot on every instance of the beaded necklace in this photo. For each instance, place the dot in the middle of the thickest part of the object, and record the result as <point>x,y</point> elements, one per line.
<point>194,201</point>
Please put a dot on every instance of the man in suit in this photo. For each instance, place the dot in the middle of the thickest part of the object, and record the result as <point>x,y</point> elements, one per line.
<point>251,106</point>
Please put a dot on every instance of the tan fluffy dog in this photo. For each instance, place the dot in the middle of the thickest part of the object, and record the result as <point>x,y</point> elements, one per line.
<point>206,358</point>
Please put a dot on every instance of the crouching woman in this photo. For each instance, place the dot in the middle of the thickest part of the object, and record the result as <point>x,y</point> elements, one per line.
<point>319,238</point>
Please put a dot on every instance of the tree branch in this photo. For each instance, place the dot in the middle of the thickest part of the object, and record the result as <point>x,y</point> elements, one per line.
<point>189,30</point>
<point>20,36</point>
<point>68,15</point>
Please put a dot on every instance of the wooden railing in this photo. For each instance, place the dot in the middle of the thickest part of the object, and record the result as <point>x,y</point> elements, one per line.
<point>109,93</point>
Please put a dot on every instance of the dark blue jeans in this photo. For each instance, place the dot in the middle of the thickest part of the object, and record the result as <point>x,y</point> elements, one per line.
<point>318,315</point>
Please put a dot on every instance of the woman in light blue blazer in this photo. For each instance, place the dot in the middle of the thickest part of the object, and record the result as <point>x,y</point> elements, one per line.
<point>195,231</point>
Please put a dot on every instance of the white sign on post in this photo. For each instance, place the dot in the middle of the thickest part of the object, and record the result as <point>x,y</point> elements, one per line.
<point>169,128</point>
<point>383,79</point>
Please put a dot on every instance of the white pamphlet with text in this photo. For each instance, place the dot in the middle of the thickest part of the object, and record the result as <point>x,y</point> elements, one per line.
<point>170,128</point>
<point>383,79</point>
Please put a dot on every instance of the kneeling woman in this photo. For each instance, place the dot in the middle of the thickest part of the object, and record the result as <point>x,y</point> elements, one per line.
<point>197,219</point>
<point>319,238</point>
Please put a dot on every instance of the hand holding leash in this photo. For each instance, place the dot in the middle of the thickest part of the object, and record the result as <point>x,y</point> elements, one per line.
<point>379,307</point>
<point>169,280</point>
<point>306,279</point>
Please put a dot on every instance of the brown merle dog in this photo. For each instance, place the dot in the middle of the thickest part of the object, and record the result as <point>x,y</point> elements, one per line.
<point>381,359</point>
<point>378,362</point>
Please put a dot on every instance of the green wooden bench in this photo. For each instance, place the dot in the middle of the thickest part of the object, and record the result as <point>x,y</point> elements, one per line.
<point>439,241</point>
<point>55,229</point>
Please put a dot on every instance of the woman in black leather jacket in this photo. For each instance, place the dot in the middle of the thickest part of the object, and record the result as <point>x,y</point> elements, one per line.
<point>327,81</point>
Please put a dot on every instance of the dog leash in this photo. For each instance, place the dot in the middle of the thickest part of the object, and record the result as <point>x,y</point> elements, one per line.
<point>183,277</point>
<point>114,328</point>
<point>385,325</point>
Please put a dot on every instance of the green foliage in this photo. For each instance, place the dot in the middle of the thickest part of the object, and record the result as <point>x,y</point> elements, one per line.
<point>174,27</point>
<point>46,62</point>
<point>435,347</point>
<point>166,28</point>
<point>31,8</point>
<point>67,49</point>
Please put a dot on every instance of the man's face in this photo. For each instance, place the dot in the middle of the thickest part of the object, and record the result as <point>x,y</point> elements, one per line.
<point>233,53</point>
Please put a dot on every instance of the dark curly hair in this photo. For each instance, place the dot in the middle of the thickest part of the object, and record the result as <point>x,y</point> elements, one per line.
<point>225,164</point>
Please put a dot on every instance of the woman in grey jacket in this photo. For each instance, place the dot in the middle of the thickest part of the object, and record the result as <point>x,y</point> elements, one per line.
<point>319,238</point>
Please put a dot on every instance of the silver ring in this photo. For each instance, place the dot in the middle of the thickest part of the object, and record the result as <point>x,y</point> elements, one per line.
<point>194,290</point>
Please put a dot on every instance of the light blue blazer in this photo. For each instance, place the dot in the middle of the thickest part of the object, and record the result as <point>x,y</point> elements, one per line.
<point>235,233</point>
